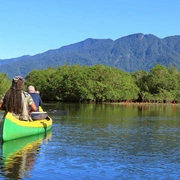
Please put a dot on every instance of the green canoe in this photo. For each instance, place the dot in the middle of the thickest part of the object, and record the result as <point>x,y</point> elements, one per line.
<point>13,128</point>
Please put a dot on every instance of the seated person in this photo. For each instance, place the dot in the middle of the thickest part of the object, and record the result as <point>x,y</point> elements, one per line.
<point>38,101</point>
<point>16,100</point>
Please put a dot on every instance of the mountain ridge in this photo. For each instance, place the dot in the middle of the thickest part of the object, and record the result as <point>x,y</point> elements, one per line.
<point>129,53</point>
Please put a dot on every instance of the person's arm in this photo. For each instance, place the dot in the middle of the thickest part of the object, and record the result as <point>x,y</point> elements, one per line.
<point>31,103</point>
<point>32,107</point>
<point>1,102</point>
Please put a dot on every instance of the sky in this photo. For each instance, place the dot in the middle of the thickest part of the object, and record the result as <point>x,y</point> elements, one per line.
<point>30,27</point>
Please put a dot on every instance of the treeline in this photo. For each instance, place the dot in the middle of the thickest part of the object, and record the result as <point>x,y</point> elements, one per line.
<point>4,84</point>
<point>101,83</point>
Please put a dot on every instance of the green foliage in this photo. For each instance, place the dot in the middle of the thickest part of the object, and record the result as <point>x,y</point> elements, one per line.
<point>161,84</point>
<point>101,83</point>
<point>5,83</point>
<point>83,83</point>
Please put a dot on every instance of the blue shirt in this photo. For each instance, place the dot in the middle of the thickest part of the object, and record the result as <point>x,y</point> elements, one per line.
<point>37,99</point>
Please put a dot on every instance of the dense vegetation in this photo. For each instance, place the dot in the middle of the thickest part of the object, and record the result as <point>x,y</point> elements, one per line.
<point>4,84</point>
<point>101,83</point>
<point>84,83</point>
<point>130,53</point>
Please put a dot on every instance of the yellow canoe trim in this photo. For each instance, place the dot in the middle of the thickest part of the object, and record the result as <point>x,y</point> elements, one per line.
<point>37,123</point>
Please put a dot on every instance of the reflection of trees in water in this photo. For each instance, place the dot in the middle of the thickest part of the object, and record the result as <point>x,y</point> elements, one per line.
<point>18,165</point>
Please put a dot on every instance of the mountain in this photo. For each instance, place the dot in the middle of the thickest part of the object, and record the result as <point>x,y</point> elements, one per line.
<point>130,53</point>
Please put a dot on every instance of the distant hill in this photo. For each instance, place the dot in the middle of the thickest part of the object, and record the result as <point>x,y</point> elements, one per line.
<point>130,53</point>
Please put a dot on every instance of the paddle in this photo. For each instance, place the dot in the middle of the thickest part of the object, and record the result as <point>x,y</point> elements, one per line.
<point>43,114</point>
<point>54,111</point>
<point>51,111</point>
<point>58,112</point>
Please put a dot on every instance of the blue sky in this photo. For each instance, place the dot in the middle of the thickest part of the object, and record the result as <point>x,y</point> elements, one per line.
<point>29,27</point>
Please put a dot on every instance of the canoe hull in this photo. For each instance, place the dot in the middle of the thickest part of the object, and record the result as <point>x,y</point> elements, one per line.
<point>12,128</point>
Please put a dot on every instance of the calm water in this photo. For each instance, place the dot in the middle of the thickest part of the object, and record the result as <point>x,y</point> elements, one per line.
<point>99,142</point>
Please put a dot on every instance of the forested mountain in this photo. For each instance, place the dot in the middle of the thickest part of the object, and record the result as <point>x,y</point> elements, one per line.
<point>130,53</point>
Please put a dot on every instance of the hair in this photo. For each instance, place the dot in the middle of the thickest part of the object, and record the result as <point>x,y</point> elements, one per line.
<point>13,98</point>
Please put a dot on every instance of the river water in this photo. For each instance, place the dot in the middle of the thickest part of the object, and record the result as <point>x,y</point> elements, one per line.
<point>99,141</point>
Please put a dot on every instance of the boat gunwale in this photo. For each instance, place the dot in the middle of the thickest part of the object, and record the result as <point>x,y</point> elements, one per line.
<point>36,123</point>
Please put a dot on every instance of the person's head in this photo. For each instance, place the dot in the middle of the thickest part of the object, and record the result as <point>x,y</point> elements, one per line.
<point>17,83</point>
<point>31,89</point>
<point>13,98</point>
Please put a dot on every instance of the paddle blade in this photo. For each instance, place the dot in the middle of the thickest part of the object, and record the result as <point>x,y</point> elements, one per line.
<point>58,112</point>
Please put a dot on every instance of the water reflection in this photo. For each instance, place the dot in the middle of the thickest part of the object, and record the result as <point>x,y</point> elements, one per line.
<point>105,141</point>
<point>19,156</point>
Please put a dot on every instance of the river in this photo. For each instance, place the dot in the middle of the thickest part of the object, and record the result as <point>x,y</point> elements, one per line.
<point>100,141</point>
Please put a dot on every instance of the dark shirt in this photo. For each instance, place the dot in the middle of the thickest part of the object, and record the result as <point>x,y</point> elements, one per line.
<point>37,99</point>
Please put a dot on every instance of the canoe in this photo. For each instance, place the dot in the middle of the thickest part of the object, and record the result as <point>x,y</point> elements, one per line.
<point>13,128</point>
<point>19,155</point>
